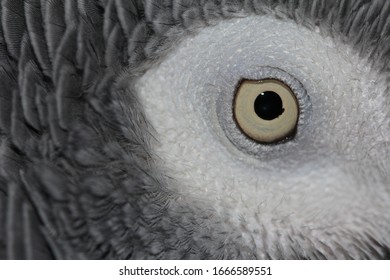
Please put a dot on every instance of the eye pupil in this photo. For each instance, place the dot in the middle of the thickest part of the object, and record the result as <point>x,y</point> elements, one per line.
<point>268,105</point>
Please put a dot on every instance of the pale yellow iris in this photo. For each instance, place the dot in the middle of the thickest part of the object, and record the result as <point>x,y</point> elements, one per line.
<point>257,128</point>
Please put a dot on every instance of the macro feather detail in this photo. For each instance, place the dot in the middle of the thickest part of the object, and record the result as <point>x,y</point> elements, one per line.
<point>78,178</point>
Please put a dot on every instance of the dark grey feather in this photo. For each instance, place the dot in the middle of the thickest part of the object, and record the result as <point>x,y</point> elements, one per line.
<point>36,247</point>
<point>40,104</point>
<point>14,25</point>
<point>28,95</point>
<point>54,23</point>
<point>68,93</point>
<point>7,82</point>
<point>58,135</point>
<point>127,14</point>
<point>115,48</point>
<point>28,78</point>
<point>66,53</point>
<point>110,19</point>
<point>19,131</point>
<point>71,13</point>
<point>36,33</point>
<point>3,219</point>
<point>14,222</point>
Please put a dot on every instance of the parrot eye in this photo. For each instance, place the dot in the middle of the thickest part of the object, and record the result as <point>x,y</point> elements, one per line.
<point>266,111</point>
<point>269,108</point>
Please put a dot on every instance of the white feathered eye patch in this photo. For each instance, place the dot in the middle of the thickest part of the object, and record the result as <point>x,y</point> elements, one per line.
<point>264,122</point>
<point>266,111</point>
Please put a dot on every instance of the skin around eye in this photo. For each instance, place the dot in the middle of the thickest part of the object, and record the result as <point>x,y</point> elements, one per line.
<point>267,111</point>
<point>318,189</point>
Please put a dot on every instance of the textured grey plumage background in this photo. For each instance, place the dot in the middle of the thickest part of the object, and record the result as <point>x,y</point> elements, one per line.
<point>76,176</point>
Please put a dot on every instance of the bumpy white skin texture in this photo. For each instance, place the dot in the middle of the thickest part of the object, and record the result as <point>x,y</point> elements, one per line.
<point>330,184</point>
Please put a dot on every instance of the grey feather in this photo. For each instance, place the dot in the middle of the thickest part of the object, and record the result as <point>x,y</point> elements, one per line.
<point>19,131</point>
<point>136,43</point>
<point>115,49</point>
<point>57,133</point>
<point>36,247</point>
<point>28,95</point>
<point>54,22</point>
<point>40,104</point>
<point>71,13</point>
<point>76,172</point>
<point>14,224</point>
<point>67,97</point>
<point>7,82</point>
<point>28,78</point>
<point>36,33</point>
<point>110,19</point>
<point>127,14</point>
<point>3,219</point>
<point>14,25</point>
<point>66,53</point>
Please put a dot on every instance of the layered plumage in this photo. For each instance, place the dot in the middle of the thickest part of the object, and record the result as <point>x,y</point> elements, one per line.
<point>77,175</point>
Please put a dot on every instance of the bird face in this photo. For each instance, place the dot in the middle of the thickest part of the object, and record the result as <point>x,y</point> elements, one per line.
<point>195,130</point>
<point>306,192</point>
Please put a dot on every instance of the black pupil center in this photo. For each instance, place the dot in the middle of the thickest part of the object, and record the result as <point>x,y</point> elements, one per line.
<point>268,105</point>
